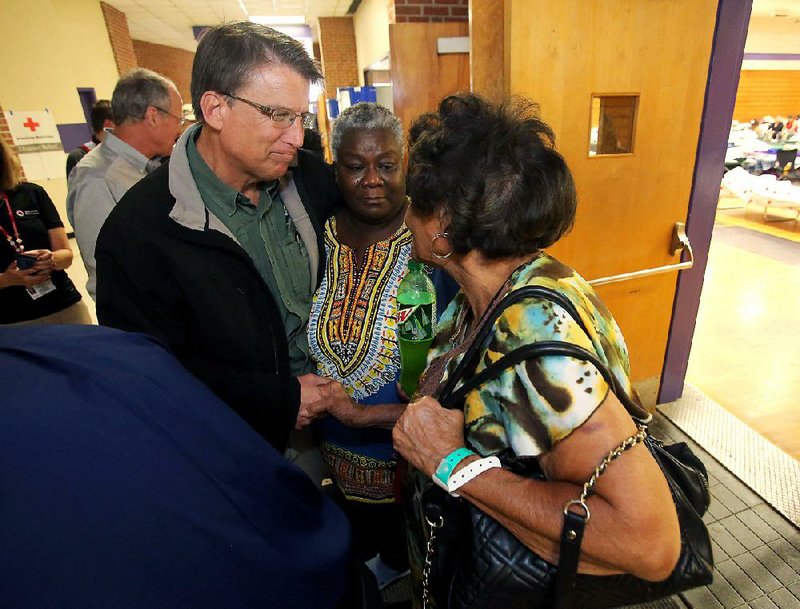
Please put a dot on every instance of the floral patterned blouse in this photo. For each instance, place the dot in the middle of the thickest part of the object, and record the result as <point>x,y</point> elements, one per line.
<point>536,403</point>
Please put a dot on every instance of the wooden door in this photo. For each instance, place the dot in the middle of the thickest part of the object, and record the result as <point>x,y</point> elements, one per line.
<point>562,53</point>
<point>420,76</point>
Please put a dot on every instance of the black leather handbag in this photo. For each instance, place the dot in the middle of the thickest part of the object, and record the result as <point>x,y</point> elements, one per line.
<point>473,562</point>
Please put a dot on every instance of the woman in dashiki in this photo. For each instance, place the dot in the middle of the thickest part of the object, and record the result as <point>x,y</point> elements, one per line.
<point>352,331</point>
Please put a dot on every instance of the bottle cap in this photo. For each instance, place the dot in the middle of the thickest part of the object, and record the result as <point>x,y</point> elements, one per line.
<point>414,265</point>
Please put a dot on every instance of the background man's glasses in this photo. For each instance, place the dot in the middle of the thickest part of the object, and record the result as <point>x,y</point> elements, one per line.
<point>280,116</point>
<point>180,119</point>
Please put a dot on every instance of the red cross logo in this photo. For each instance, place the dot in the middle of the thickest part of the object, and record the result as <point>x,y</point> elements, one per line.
<point>31,124</point>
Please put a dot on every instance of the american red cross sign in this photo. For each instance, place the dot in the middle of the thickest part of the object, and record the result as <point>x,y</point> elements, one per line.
<point>33,128</point>
<point>31,124</point>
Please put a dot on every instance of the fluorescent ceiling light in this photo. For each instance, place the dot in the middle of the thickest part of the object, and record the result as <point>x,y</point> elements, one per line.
<point>278,20</point>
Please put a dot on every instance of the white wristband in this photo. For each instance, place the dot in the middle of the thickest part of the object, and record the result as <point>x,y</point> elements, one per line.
<point>467,473</point>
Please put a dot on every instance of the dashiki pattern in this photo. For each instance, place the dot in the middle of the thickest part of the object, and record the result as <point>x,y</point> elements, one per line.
<point>352,335</point>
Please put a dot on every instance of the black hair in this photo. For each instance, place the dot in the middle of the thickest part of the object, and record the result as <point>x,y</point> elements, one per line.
<point>494,171</point>
<point>101,112</point>
<point>420,125</point>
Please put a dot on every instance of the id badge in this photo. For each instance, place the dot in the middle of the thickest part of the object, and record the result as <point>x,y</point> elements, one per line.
<point>37,291</point>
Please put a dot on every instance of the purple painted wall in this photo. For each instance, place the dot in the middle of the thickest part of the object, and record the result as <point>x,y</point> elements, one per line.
<point>733,17</point>
<point>772,56</point>
<point>73,135</point>
<point>88,99</point>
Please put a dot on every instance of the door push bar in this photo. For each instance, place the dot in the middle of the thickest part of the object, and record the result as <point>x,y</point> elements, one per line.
<point>680,243</point>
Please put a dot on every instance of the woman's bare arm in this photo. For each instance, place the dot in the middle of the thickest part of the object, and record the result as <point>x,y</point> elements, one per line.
<point>633,526</point>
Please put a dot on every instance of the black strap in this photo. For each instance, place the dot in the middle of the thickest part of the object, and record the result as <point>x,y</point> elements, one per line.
<point>568,558</point>
<point>454,398</point>
<point>466,368</point>
<point>574,524</point>
<point>541,349</point>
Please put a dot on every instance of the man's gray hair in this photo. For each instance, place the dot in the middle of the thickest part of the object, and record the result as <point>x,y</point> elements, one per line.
<point>362,116</point>
<point>138,90</point>
<point>228,55</point>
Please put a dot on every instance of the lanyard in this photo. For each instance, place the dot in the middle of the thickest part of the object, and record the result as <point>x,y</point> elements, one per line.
<point>15,241</point>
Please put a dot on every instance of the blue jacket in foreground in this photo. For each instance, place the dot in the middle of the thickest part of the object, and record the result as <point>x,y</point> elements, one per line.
<point>124,482</point>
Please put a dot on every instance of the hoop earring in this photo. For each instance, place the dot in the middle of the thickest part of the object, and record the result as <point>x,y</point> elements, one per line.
<point>433,246</point>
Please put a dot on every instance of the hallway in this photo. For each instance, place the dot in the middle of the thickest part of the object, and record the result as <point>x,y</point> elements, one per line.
<point>746,350</point>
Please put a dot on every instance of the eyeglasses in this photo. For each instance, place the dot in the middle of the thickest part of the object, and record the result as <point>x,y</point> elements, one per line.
<point>180,119</point>
<point>280,116</point>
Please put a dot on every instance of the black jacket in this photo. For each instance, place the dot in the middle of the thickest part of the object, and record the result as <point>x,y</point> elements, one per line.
<point>199,292</point>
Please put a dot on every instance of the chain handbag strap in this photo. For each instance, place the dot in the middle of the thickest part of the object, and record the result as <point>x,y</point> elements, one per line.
<point>575,524</point>
<point>588,486</point>
<point>430,551</point>
<point>572,522</point>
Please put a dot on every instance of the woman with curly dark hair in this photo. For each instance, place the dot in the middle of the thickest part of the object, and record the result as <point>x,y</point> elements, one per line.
<point>489,193</point>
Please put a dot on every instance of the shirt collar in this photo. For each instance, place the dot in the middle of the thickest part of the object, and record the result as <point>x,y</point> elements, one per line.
<point>125,150</point>
<point>210,185</point>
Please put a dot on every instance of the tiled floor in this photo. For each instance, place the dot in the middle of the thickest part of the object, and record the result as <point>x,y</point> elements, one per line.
<point>745,357</point>
<point>756,550</point>
<point>764,468</point>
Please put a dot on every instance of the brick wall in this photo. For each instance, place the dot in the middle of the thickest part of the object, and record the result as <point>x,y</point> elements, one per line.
<point>427,11</point>
<point>120,37</point>
<point>337,41</point>
<point>169,61</point>
<point>5,133</point>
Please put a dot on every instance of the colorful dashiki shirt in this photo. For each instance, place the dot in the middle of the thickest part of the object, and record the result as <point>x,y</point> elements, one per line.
<point>352,335</point>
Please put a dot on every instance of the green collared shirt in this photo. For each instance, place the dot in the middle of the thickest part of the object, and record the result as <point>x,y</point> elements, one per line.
<point>268,235</point>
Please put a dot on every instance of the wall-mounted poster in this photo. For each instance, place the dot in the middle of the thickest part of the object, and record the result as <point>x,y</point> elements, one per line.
<point>38,143</point>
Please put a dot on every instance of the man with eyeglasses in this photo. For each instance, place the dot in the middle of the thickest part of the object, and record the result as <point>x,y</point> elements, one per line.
<point>146,109</point>
<point>218,253</point>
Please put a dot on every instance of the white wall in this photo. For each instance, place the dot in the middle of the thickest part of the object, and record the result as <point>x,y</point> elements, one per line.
<point>371,24</point>
<point>772,35</point>
<point>50,48</point>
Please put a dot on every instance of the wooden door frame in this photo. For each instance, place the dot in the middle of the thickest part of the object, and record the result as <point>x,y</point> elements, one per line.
<point>730,33</point>
<point>417,86</point>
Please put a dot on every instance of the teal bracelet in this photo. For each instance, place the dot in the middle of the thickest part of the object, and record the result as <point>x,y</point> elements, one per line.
<point>448,464</point>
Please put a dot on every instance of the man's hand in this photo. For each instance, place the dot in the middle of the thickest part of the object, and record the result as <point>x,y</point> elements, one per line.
<point>427,432</point>
<point>309,388</point>
<point>334,401</point>
<point>309,393</point>
<point>338,403</point>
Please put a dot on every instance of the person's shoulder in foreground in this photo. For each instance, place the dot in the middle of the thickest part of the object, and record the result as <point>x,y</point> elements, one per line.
<point>129,484</point>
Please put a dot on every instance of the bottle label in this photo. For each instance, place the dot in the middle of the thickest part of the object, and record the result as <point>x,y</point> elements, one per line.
<point>415,322</point>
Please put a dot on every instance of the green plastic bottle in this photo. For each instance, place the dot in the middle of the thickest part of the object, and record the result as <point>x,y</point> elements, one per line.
<point>416,323</point>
